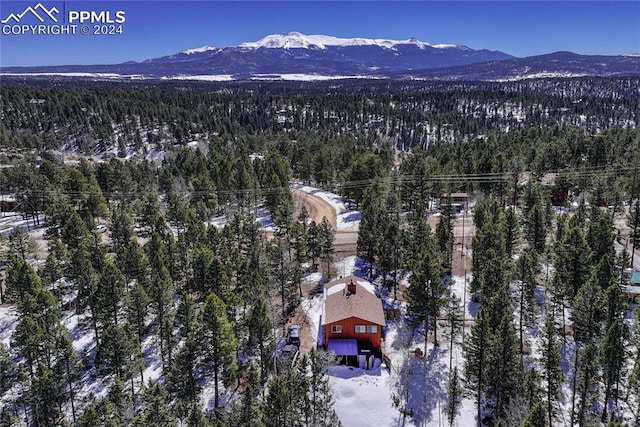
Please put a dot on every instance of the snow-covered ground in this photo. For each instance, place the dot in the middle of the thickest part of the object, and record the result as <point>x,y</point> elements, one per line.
<point>8,322</point>
<point>366,398</point>
<point>362,398</point>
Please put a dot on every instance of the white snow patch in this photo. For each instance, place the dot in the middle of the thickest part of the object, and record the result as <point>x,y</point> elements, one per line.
<point>199,50</point>
<point>345,266</point>
<point>308,77</point>
<point>202,77</point>
<point>368,286</point>
<point>363,398</point>
<point>336,288</point>
<point>8,323</point>
<point>313,309</point>
<point>97,75</point>
<point>542,75</point>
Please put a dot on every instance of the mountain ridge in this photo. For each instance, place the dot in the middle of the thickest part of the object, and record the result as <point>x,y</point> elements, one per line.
<point>321,56</point>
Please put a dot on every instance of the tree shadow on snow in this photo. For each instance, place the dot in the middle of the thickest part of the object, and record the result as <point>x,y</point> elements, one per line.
<point>352,217</point>
<point>426,380</point>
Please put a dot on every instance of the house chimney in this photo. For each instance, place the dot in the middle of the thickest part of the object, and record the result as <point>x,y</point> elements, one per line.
<point>351,288</point>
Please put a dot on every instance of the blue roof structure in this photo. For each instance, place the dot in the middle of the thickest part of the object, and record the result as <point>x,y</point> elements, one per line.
<point>343,347</point>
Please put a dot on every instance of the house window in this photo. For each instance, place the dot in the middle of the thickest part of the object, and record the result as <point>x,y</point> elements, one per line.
<point>336,329</point>
<point>361,329</point>
<point>372,329</point>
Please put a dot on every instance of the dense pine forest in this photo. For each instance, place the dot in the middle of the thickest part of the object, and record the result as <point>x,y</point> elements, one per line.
<point>201,307</point>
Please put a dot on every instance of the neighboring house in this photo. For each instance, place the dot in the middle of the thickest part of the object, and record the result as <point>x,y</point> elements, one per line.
<point>632,287</point>
<point>353,321</point>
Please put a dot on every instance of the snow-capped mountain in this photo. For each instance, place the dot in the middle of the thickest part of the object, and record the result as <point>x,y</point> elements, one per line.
<point>296,40</point>
<point>200,50</point>
<point>327,57</point>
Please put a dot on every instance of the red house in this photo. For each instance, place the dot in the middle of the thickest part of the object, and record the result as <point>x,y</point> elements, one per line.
<point>353,320</point>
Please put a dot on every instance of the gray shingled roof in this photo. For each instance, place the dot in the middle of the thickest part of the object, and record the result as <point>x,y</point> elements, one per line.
<point>364,304</point>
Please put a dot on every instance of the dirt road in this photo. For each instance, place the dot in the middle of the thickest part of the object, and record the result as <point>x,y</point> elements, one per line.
<point>345,241</point>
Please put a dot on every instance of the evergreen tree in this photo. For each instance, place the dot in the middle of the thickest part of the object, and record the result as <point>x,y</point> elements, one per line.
<point>536,417</point>
<point>320,399</point>
<point>326,237</point>
<point>261,334</point>
<point>445,239</point>
<point>612,357</point>
<point>372,222</point>
<point>218,344</point>
<point>551,364</point>
<point>161,292</point>
<point>571,264</point>
<point>455,313</point>
<point>454,396</point>
<point>157,412</point>
<point>512,232</point>
<point>477,359</point>
<point>633,221</point>
<point>525,274</point>
<point>505,371</point>
<point>248,412</point>
<point>587,375</point>
<point>425,296</point>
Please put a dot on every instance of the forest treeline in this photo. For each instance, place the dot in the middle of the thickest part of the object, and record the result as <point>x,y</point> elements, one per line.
<point>205,305</point>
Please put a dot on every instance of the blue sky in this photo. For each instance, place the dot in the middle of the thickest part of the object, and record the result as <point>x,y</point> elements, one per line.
<point>157,28</point>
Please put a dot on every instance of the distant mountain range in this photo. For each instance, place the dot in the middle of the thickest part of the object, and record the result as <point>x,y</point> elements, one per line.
<point>295,56</point>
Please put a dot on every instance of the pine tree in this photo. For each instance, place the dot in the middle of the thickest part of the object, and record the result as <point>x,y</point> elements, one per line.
<point>586,377</point>
<point>277,408</point>
<point>157,412</point>
<point>587,313</point>
<point>633,383</point>
<point>372,222</point>
<point>571,264</point>
<point>137,308</point>
<point>248,412</point>
<point>536,417</point>
<point>55,265</point>
<point>319,394</point>
<point>445,239</point>
<point>525,274</point>
<point>612,357</point>
<point>182,379</point>
<point>476,359</point>
<point>633,221</point>
<point>326,237</point>
<point>8,371</point>
<point>455,313</point>
<point>197,418</point>
<point>121,227</point>
<point>425,296</point>
<point>454,396</point>
<point>505,371</point>
<point>261,334</point>
<point>102,413</point>
<point>512,232</point>
<point>161,292</point>
<point>313,243</point>
<point>550,364</point>
<point>218,344</point>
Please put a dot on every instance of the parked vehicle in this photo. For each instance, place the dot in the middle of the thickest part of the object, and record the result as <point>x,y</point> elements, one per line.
<point>293,335</point>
